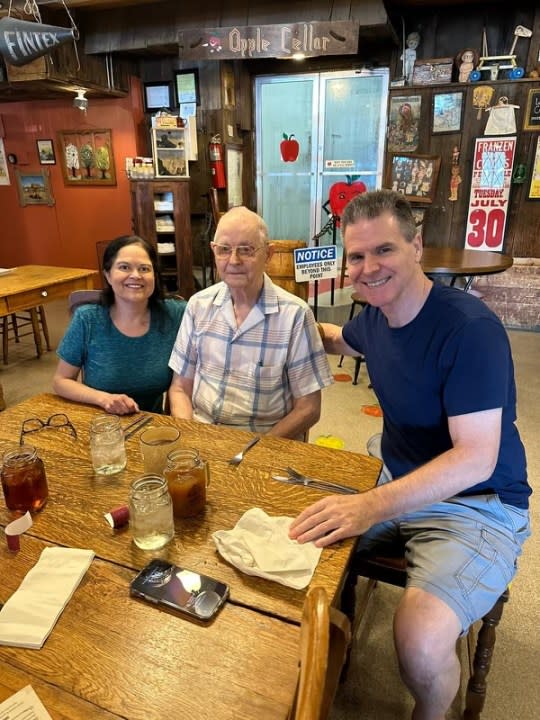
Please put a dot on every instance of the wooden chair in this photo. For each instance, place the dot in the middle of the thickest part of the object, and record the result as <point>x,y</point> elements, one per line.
<point>33,318</point>
<point>82,297</point>
<point>357,301</point>
<point>324,640</point>
<point>214,204</point>
<point>480,638</point>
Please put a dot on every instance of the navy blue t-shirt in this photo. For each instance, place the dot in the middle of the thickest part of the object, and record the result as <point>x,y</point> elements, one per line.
<point>454,358</point>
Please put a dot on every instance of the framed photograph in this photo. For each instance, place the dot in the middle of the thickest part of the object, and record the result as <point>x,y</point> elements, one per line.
<point>157,96</point>
<point>46,152</point>
<point>433,71</point>
<point>235,172</point>
<point>415,176</point>
<point>4,172</point>
<point>34,188</point>
<point>403,123</point>
<point>532,114</point>
<point>534,187</point>
<point>228,91</point>
<point>87,157</point>
<point>447,112</point>
<point>187,86</point>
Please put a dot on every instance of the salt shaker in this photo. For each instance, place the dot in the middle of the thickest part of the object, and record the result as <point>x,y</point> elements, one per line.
<point>23,479</point>
<point>107,445</point>
<point>150,512</point>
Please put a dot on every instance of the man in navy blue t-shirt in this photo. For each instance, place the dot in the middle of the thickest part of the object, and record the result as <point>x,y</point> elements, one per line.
<point>453,489</point>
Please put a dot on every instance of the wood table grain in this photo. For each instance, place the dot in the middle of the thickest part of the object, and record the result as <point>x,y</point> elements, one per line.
<point>29,286</point>
<point>78,499</point>
<point>111,656</point>
<point>447,262</point>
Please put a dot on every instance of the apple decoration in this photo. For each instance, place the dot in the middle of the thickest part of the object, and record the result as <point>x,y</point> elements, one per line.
<point>341,193</point>
<point>289,148</point>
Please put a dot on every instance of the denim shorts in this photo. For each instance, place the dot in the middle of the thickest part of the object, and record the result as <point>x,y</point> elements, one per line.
<point>463,550</point>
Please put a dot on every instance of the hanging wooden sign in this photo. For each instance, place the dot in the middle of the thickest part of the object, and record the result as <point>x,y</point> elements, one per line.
<point>490,189</point>
<point>264,41</point>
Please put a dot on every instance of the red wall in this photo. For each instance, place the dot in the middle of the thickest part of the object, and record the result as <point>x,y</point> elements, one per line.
<point>66,234</point>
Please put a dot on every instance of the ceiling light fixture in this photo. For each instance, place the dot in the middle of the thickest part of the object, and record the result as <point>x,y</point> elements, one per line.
<point>298,56</point>
<point>81,102</point>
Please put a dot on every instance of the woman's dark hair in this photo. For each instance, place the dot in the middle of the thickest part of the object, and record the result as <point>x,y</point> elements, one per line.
<point>155,301</point>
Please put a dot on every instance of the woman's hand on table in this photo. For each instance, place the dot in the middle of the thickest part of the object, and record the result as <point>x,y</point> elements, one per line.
<point>118,404</point>
<point>332,519</point>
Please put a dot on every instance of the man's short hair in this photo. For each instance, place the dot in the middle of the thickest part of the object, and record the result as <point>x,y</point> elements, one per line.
<point>246,220</point>
<point>371,205</point>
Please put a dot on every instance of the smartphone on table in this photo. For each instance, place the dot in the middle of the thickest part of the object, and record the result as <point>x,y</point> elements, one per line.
<point>163,583</point>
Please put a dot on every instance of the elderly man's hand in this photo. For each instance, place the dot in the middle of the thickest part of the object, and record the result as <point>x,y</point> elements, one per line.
<point>334,518</point>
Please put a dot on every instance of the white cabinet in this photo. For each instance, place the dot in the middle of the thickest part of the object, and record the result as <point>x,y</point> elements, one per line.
<point>170,150</point>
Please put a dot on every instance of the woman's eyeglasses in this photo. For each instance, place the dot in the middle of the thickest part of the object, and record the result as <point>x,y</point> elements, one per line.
<point>54,422</point>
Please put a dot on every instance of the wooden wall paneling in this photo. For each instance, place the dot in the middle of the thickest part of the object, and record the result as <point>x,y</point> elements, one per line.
<point>533,59</point>
<point>445,221</point>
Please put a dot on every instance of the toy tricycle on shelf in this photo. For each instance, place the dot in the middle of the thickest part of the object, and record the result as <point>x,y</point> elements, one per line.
<point>495,63</point>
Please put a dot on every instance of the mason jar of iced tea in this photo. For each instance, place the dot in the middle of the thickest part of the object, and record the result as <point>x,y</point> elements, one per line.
<point>187,476</point>
<point>23,479</point>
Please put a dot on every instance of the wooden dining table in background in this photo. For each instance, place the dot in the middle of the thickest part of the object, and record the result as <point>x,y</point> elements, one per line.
<point>246,658</point>
<point>451,263</point>
<point>29,286</point>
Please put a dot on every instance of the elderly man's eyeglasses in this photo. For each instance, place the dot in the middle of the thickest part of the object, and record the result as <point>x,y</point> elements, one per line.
<point>54,422</point>
<point>242,251</point>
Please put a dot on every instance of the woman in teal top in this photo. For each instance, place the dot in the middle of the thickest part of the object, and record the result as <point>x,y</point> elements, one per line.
<point>122,345</point>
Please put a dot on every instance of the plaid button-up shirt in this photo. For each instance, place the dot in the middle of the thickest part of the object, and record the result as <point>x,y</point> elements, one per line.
<point>248,376</point>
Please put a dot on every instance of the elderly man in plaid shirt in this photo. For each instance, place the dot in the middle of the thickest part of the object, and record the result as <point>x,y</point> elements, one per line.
<point>248,354</point>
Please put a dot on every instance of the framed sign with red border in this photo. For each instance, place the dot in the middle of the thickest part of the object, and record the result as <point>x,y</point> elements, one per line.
<point>490,189</point>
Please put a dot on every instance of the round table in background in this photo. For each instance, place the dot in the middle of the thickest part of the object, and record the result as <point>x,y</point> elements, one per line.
<point>452,263</point>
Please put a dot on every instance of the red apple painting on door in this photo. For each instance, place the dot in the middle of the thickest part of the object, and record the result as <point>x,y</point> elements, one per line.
<point>289,148</point>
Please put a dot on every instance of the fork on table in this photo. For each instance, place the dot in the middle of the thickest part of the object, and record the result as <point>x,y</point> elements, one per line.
<point>237,459</point>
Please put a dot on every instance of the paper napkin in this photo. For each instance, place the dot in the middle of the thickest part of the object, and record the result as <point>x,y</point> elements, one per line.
<point>259,545</point>
<point>31,612</point>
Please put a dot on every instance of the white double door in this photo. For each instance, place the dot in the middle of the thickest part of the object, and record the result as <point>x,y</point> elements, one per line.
<point>339,122</point>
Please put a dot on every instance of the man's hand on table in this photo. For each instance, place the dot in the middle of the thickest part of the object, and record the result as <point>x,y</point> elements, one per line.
<point>334,518</point>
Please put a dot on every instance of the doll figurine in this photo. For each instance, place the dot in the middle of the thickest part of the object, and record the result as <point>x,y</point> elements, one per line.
<point>409,56</point>
<point>466,61</point>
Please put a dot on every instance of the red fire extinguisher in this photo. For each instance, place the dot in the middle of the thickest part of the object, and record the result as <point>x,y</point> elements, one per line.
<point>217,166</point>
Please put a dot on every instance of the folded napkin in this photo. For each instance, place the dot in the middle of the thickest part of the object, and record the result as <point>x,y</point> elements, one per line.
<point>260,545</point>
<point>31,612</point>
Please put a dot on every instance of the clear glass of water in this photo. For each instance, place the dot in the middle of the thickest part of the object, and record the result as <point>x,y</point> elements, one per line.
<point>150,512</point>
<point>107,445</point>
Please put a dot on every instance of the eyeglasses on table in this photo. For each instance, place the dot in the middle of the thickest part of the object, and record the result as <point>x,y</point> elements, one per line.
<point>53,422</point>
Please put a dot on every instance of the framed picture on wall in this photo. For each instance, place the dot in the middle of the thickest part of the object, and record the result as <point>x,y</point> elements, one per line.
<point>235,172</point>
<point>532,113</point>
<point>157,96</point>
<point>46,152</point>
<point>415,176</point>
<point>187,86</point>
<point>86,157</point>
<point>403,123</point>
<point>534,187</point>
<point>447,112</point>
<point>34,188</point>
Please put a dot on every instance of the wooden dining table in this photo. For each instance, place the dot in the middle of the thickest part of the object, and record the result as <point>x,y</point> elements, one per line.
<point>29,286</point>
<point>451,263</point>
<point>126,658</point>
